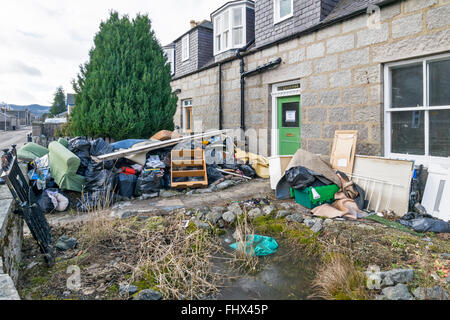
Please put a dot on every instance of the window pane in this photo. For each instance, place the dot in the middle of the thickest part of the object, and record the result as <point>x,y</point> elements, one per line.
<point>218,26</point>
<point>188,118</point>
<point>225,39</point>
<point>285,8</point>
<point>237,17</point>
<point>226,21</point>
<point>440,133</point>
<point>407,86</point>
<point>218,43</point>
<point>440,83</point>
<point>237,36</point>
<point>408,135</point>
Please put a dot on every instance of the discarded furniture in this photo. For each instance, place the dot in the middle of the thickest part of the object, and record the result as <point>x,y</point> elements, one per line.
<point>28,208</point>
<point>63,168</point>
<point>188,164</point>
<point>31,151</point>
<point>436,198</point>
<point>343,151</point>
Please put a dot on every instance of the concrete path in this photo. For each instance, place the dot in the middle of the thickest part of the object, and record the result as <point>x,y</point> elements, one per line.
<point>257,188</point>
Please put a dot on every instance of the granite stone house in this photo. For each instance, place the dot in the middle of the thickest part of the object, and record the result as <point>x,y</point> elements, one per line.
<point>295,71</point>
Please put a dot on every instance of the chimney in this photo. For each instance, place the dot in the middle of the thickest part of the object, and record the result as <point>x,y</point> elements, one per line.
<point>193,24</point>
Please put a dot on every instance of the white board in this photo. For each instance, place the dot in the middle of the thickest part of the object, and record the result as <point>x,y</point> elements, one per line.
<point>436,198</point>
<point>387,182</point>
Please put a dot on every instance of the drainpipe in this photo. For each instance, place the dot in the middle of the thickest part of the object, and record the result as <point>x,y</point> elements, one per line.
<point>220,98</point>
<point>245,74</point>
<point>241,58</point>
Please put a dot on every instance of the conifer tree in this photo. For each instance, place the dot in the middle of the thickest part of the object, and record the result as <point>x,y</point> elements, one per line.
<point>124,90</point>
<point>59,102</point>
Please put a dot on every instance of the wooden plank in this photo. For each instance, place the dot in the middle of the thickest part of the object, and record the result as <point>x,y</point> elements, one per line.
<point>156,146</point>
<point>234,174</point>
<point>186,163</point>
<point>343,151</point>
<point>189,184</point>
<point>188,173</point>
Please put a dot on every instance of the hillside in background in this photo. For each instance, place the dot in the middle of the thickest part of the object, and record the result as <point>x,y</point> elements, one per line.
<point>34,108</point>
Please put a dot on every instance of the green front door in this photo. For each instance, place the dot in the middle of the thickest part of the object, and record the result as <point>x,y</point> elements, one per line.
<point>289,139</point>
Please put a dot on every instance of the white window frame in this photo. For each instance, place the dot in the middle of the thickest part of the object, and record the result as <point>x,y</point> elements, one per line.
<point>229,28</point>
<point>426,160</point>
<point>185,43</point>
<point>218,33</point>
<point>187,103</point>
<point>241,26</point>
<point>276,12</point>
<point>170,54</point>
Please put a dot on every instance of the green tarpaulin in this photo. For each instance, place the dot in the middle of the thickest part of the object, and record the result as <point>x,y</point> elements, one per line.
<point>63,167</point>
<point>257,246</point>
<point>31,151</point>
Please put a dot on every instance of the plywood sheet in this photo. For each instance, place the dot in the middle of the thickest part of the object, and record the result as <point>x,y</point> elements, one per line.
<point>343,151</point>
<point>386,182</point>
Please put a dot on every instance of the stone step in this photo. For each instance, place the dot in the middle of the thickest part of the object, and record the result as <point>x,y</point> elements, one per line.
<point>7,288</point>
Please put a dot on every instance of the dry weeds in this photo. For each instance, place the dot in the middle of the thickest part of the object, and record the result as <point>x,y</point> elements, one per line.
<point>243,259</point>
<point>338,279</point>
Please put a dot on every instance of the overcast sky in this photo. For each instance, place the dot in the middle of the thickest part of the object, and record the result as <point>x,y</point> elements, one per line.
<point>43,42</point>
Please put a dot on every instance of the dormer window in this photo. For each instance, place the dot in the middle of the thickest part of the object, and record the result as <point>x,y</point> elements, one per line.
<point>185,48</point>
<point>283,9</point>
<point>230,26</point>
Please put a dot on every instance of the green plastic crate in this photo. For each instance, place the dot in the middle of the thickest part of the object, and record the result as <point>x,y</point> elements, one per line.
<point>305,197</point>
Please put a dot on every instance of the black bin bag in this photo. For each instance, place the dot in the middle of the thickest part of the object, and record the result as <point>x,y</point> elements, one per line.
<point>127,185</point>
<point>148,183</point>
<point>82,149</point>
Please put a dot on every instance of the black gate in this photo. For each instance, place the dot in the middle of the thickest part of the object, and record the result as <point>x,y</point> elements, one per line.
<point>26,200</point>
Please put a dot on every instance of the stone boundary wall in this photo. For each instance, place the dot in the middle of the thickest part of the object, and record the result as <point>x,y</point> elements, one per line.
<point>11,238</point>
<point>341,73</point>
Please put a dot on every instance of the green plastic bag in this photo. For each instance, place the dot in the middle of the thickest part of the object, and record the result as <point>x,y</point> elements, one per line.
<point>257,245</point>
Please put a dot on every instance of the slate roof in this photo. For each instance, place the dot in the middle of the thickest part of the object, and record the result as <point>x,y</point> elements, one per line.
<point>344,9</point>
<point>348,7</point>
<point>204,24</point>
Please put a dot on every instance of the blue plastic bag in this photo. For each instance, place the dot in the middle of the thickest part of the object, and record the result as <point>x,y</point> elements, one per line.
<point>257,246</point>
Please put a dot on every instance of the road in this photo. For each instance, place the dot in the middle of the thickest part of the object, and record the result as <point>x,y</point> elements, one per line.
<point>18,137</point>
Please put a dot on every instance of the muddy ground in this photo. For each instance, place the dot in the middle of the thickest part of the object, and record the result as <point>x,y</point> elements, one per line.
<point>110,253</point>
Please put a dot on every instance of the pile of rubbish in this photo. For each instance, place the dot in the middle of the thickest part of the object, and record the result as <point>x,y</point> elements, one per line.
<point>106,173</point>
<point>355,187</point>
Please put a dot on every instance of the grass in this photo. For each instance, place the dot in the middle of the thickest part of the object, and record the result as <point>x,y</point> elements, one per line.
<point>99,227</point>
<point>295,234</point>
<point>175,262</point>
<point>339,279</point>
<point>393,224</point>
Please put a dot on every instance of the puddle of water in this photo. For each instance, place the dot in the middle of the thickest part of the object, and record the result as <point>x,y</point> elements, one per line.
<point>282,276</point>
